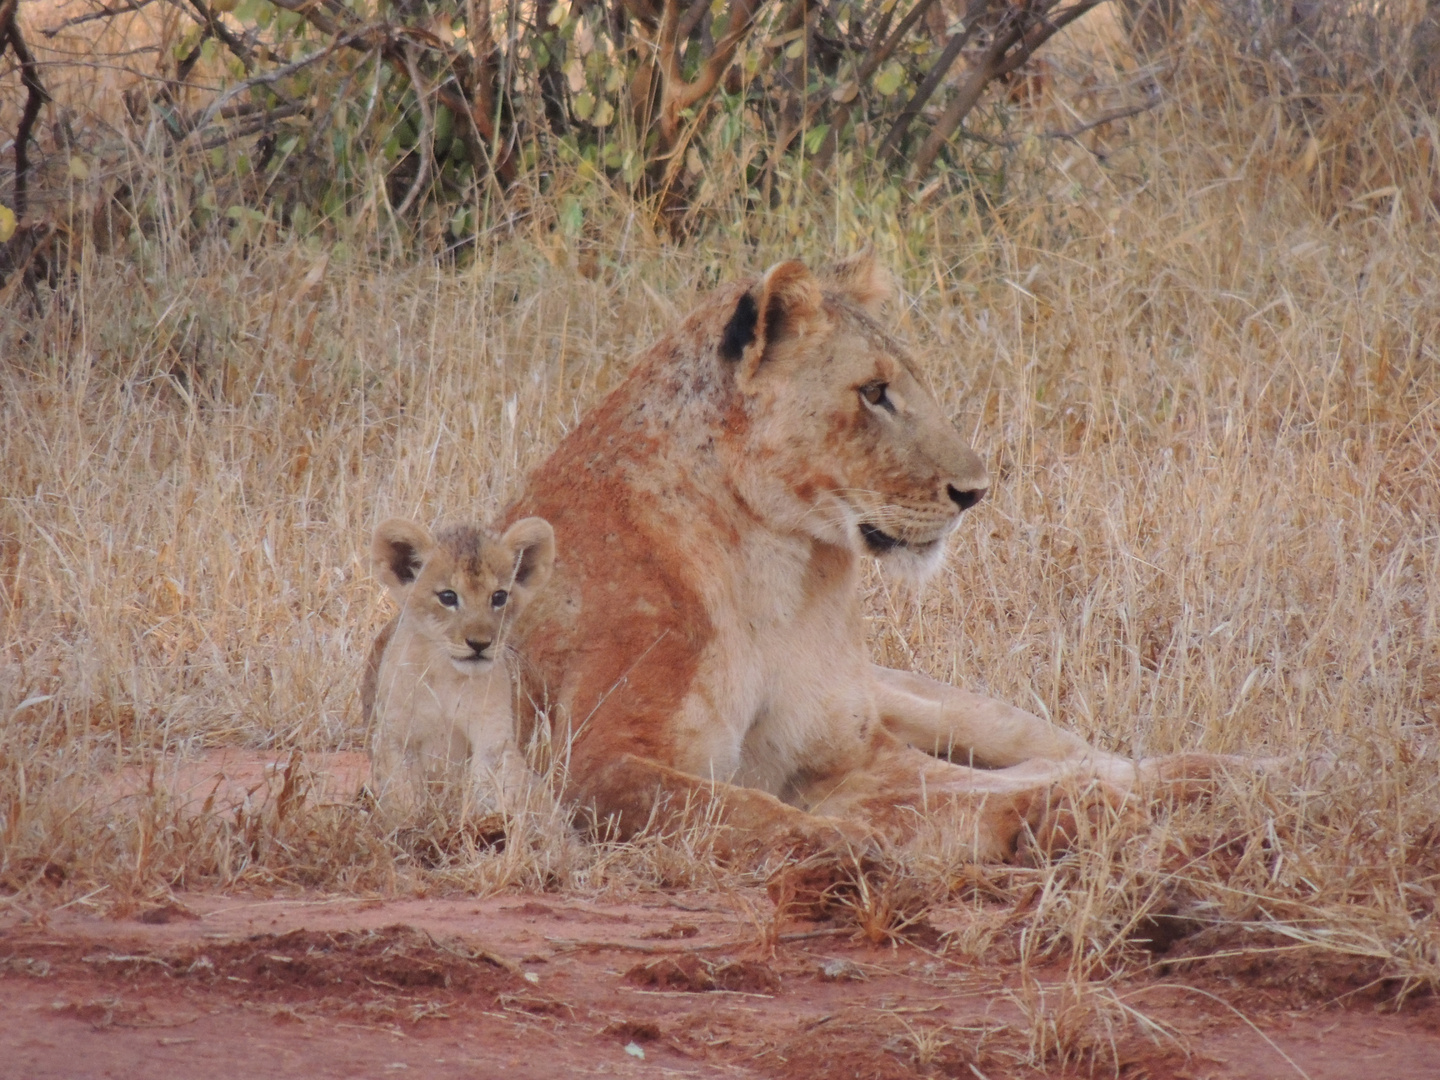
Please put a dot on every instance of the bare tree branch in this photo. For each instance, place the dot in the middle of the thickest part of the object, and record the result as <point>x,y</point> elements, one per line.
<point>1021,29</point>
<point>866,71</point>
<point>276,74</point>
<point>103,13</point>
<point>35,98</point>
<point>1067,134</point>
<point>962,37</point>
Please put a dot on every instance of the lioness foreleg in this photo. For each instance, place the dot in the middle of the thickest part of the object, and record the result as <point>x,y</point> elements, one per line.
<point>971,729</point>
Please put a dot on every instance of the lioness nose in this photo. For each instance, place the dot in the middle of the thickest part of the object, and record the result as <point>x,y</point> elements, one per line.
<point>477,646</point>
<point>965,499</point>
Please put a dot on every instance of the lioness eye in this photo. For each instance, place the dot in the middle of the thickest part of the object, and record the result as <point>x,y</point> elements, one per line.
<point>874,394</point>
<point>448,598</point>
<point>498,598</point>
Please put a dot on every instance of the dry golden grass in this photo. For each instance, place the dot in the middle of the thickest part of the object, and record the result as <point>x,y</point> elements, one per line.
<point>1205,376</point>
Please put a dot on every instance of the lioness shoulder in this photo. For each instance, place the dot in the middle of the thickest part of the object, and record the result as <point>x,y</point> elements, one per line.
<point>437,688</point>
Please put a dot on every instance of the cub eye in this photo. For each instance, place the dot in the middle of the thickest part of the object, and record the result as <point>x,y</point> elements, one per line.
<point>874,394</point>
<point>498,598</point>
<point>448,598</point>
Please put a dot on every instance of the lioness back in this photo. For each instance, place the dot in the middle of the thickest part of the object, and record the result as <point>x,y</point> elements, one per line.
<point>437,689</point>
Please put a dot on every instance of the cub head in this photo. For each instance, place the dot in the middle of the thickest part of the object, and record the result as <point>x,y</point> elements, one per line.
<point>460,589</point>
<point>840,438</point>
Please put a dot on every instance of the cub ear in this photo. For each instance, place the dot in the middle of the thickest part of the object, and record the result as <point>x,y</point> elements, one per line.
<point>399,551</point>
<point>784,304</point>
<point>862,279</point>
<point>531,543</point>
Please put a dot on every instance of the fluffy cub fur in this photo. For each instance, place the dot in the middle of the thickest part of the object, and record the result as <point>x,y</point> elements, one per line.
<point>437,687</point>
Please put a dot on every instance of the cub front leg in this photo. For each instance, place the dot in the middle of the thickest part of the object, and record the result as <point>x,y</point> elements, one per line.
<point>500,777</point>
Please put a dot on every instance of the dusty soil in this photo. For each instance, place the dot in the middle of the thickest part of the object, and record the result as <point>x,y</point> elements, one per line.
<point>544,986</point>
<point>648,984</point>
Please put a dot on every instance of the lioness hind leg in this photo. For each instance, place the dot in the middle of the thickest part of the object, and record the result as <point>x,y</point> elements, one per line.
<point>629,793</point>
<point>1003,815</point>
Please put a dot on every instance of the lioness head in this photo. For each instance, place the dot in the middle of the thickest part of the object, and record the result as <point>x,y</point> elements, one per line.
<point>459,589</point>
<point>840,438</point>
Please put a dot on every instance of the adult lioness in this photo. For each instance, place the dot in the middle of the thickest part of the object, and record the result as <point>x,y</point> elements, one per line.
<point>702,641</point>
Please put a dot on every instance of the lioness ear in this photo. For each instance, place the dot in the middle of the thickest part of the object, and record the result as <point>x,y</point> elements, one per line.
<point>862,279</point>
<point>531,542</point>
<point>783,304</point>
<point>399,551</point>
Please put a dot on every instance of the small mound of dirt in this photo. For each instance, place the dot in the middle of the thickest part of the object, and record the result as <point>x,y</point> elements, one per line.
<point>639,1031</point>
<point>1271,964</point>
<point>863,1049</point>
<point>167,913</point>
<point>696,974</point>
<point>400,957</point>
<point>395,958</point>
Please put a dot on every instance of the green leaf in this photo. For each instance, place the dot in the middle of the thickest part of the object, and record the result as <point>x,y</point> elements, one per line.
<point>574,71</point>
<point>814,137</point>
<point>890,78</point>
<point>632,168</point>
<point>572,217</point>
<point>444,125</point>
<point>604,114</point>
<point>557,14</point>
<point>583,105</point>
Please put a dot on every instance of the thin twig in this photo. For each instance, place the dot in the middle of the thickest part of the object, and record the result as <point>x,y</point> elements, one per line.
<point>91,16</point>
<point>572,944</point>
<point>424,143</point>
<point>1219,1000</point>
<point>1068,133</point>
<point>275,74</point>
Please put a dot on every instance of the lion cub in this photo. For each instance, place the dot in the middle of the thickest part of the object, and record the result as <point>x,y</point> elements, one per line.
<point>437,687</point>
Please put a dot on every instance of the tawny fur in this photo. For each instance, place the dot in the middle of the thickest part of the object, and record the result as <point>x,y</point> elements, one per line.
<point>437,687</point>
<point>703,643</point>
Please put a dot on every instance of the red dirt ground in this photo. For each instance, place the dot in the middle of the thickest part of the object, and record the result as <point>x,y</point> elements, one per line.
<point>543,987</point>
<point>655,984</point>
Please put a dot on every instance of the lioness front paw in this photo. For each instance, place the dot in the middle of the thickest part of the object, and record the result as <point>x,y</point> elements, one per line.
<point>1054,819</point>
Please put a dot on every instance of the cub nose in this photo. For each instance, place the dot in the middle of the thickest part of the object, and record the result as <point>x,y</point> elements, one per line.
<point>965,499</point>
<point>477,647</point>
